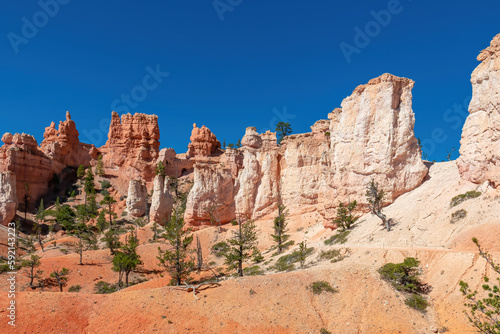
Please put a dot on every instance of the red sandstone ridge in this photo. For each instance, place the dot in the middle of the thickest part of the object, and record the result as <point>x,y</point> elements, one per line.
<point>203,142</point>
<point>35,166</point>
<point>133,146</point>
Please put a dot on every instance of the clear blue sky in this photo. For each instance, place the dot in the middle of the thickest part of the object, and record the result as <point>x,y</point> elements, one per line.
<point>264,62</point>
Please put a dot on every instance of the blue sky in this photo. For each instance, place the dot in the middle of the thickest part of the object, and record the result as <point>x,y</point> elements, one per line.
<point>230,64</point>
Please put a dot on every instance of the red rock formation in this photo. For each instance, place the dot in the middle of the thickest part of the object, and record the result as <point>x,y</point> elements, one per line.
<point>133,146</point>
<point>35,166</point>
<point>8,198</point>
<point>203,142</point>
<point>175,164</point>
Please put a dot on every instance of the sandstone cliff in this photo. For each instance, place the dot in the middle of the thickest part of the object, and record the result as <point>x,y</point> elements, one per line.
<point>8,197</point>
<point>132,147</point>
<point>371,136</point>
<point>162,201</point>
<point>480,145</point>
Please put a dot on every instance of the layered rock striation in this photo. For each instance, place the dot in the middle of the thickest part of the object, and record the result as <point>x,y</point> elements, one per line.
<point>370,137</point>
<point>479,159</point>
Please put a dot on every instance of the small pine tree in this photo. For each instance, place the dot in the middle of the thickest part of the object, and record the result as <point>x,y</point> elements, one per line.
<point>280,228</point>
<point>345,218</point>
<point>160,169</point>
<point>32,263</point>
<point>302,253</point>
<point>176,259</point>
<point>112,241</point>
<point>100,166</point>
<point>80,173</point>
<point>238,144</point>
<point>27,196</point>
<point>108,200</point>
<point>199,255</point>
<point>375,198</point>
<point>243,246</point>
<point>61,277</point>
<point>283,129</point>
<point>101,223</point>
<point>40,216</point>
<point>126,261</point>
<point>224,144</point>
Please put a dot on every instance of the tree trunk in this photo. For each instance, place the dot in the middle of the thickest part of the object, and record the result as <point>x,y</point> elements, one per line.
<point>40,238</point>
<point>32,276</point>
<point>384,219</point>
<point>60,287</point>
<point>126,278</point>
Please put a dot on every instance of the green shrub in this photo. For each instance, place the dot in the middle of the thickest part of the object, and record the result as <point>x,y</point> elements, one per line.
<point>253,271</point>
<point>324,331</point>
<point>457,215</point>
<point>102,287</point>
<point>74,288</point>
<point>286,262</point>
<point>220,248</point>
<point>327,133</point>
<point>404,276</point>
<point>417,302</point>
<point>334,255</point>
<point>105,184</point>
<point>319,287</point>
<point>463,197</point>
<point>234,222</point>
<point>339,238</point>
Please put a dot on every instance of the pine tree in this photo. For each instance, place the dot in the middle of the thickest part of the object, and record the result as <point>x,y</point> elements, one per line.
<point>100,166</point>
<point>40,216</point>
<point>101,223</point>
<point>345,219</point>
<point>89,185</point>
<point>375,198</point>
<point>126,261</point>
<point>160,169</point>
<point>238,144</point>
<point>280,228</point>
<point>61,277</point>
<point>80,173</point>
<point>176,259</point>
<point>108,201</point>
<point>27,195</point>
<point>32,263</point>
<point>243,246</point>
<point>112,241</point>
<point>283,129</point>
<point>302,253</point>
<point>224,144</point>
<point>199,255</point>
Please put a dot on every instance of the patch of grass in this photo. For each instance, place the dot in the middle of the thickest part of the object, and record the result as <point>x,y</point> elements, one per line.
<point>457,215</point>
<point>286,246</point>
<point>102,287</point>
<point>339,238</point>
<point>463,197</point>
<point>319,287</point>
<point>286,262</point>
<point>234,222</point>
<point>74,288</point>
<point>417,302</point>
<point>300,229</point>
<point>324,331</point>
<point>64,251</point>
<point>253,271</point>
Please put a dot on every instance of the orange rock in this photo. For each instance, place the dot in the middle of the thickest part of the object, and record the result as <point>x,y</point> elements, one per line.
<point>203,142</point>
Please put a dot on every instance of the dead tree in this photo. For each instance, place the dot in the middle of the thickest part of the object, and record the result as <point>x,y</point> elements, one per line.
<point>375,198</point>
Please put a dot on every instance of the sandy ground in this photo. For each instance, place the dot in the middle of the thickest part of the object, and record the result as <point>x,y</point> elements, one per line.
<point>283,302</point>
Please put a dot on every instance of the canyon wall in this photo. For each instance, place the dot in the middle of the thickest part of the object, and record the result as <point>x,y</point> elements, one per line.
<point>479,159</point>
<point>370,137</point>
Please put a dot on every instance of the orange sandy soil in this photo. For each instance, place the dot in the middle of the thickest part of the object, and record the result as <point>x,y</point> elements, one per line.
<point>283,302</point>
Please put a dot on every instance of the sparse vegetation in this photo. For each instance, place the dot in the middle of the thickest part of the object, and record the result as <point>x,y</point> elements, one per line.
<point>464,197</point>
<point>61,277</point>
<point>220,248</point>
<point>287,262</point>
<point>280,235</point>
<point>345,218</point>
<point>458,215</point>
<point>324,331</point>
<point>334,255</point>
<point>375,198</point>
<point>242,246</point>
<point>319,287</point>
<point>102,287</point>
<point>74,288</point>
<point>253,271</point>
<point>339,238</point>
<point>405,277</point>
<point>484,312</point>
<point>283,129</point>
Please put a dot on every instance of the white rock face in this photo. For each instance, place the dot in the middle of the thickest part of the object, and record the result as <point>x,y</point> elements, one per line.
<point>480,145</point>
<point>136,199</point>
<point>162,201</point>
<point>213,186</point>
<point>8,197</point>
<point>370,137</point>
